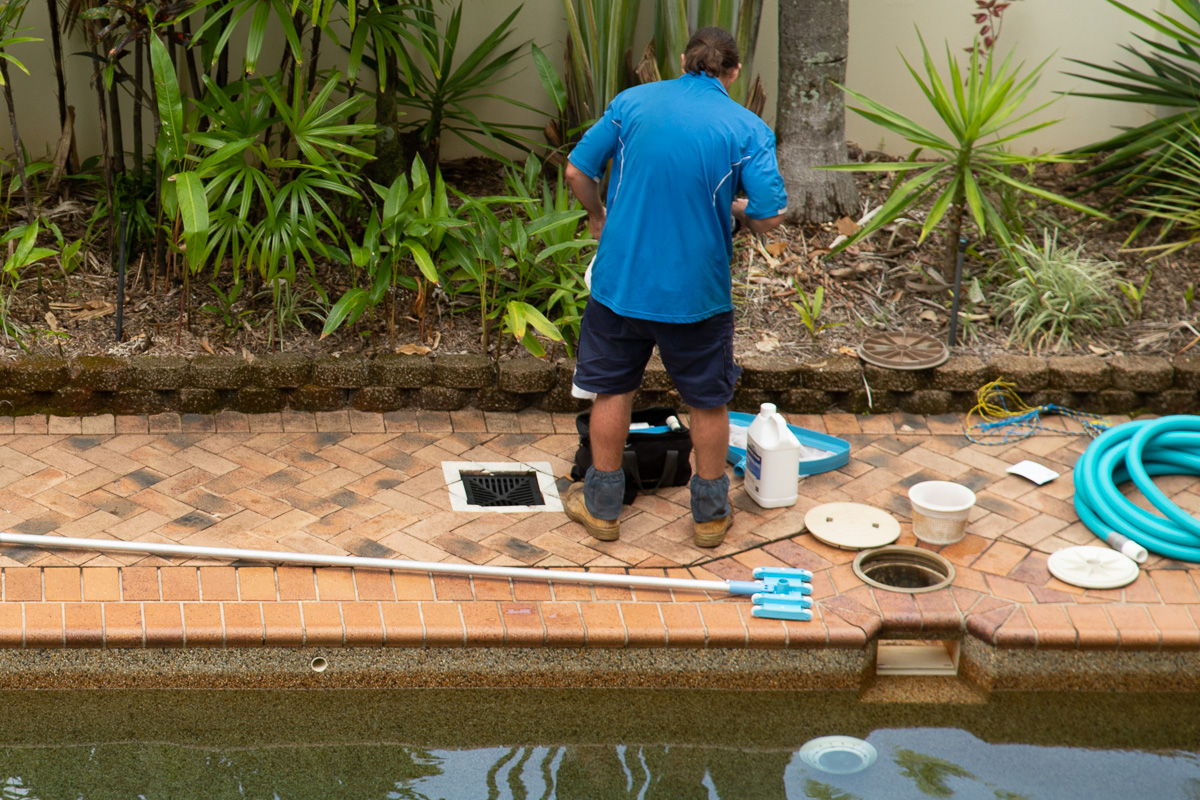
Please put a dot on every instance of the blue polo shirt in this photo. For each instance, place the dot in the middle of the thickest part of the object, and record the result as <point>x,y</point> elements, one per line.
<point>680,151</point>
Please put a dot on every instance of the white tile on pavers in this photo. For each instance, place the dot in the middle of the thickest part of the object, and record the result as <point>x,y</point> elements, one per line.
<point>452,470</point>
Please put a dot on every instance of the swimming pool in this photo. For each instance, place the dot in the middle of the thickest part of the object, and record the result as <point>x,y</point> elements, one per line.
<point>468,743</point>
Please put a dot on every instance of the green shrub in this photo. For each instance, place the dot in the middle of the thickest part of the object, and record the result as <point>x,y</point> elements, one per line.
<point>1056,292</point>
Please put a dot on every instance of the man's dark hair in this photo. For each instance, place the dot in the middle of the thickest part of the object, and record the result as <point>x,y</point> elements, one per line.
<point>712,51</point>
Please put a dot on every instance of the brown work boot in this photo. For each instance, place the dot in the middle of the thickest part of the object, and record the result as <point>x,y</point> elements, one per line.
<point>606,530</point>
<point>711,533</point>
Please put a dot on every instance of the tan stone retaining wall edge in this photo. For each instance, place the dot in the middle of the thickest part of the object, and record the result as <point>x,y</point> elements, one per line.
<point>271,383</point>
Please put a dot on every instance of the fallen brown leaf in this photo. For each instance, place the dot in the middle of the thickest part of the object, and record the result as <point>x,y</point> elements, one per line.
<point>777,248</point>
<point>413,349</point>
<point>846,226</point>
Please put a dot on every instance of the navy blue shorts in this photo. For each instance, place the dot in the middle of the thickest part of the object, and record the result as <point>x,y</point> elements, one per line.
<point>614,350</point>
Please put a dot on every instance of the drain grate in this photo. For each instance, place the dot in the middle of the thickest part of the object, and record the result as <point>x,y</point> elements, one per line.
<point>491,489</point>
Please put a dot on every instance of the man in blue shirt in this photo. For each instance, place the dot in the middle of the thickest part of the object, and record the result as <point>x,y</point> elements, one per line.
<point>680,151</point>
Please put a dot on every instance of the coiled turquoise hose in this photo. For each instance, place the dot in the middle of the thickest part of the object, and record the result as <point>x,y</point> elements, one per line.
<point>1137,451</point>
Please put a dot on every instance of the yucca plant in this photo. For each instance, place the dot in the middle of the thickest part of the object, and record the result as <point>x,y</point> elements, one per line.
<point>739,17</point>
<point>1174,195</point>
<point>1169,76</point>
<point>1054,292</point>
<point>981,108</point>
<point>600,42</point>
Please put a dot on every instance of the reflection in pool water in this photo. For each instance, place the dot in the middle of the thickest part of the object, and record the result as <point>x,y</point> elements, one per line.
<point>467,744</point>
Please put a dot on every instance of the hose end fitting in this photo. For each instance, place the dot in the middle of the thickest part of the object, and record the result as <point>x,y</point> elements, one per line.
<point>1127,547</point>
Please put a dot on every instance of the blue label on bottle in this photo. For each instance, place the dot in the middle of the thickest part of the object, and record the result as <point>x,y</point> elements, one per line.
<point>753,462</point>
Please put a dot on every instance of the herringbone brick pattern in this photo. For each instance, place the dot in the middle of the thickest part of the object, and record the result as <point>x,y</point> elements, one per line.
<point>372,485</point>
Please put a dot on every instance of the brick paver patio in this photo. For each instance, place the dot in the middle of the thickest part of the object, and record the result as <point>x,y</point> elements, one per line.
<point>372,485</point>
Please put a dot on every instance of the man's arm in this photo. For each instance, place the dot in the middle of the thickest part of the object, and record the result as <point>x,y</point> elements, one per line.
<point>587,191</point>
<point>757,225</point>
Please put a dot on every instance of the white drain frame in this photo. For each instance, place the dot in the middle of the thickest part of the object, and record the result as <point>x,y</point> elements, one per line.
<point>452,470</point>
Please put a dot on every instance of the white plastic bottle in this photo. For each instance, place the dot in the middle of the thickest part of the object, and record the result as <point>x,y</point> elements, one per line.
<point>772,460</point>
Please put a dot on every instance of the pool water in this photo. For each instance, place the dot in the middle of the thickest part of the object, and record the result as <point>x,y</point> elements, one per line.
<point>529,745</point>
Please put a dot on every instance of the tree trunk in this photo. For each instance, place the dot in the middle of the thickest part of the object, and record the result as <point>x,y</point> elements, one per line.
<point>390,154</point>
<point>56,44</point>
<point>811,127</point>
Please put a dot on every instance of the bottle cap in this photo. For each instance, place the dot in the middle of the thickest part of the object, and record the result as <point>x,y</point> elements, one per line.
<point>767,409</point>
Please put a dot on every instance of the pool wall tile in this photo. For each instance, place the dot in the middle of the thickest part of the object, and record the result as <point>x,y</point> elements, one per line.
<point>123,625</point>
<point>484,624</point>
<point>282,624</point>
<point>363,624</point>
<point>218,583</point>
<point>83,625</point>
<point>684,626</point>
<point>492,588</point>
<point>452,587</point>
<point>256,583</point>
<point>443,624</point>
<point>101,583</point>
<point>164,624</point>
<point>1096,630</point>
<point>1017,632</point>
<point>413,586</point>
<point>402,626</point>
<point>203,625</point>
<point>43,625</point>
<point>243,624</point>
<point>522,624</point>
<point>323,626</point>
<point>563,624</point>
<point>1175,586</point>
<point>643,625</point>
<point>1135,630</point>
<point>12,625</point>
<point>1176,627</point>
<point>761,632</point>
<point>985,624</point>
<point>63,583</point>
<point>1054,628</point>
<point>335,583</point>
<point>723,625</point>
<point>178,583</point>
<point>22,584</point>
<point>373,584</point>
<point>534,591</point>
<point>602,624</point>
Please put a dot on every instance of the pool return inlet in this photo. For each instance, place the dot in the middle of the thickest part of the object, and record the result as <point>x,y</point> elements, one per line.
<point>777,593</point>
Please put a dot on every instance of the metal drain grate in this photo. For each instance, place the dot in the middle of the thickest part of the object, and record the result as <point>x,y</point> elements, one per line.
<point>490,489</point>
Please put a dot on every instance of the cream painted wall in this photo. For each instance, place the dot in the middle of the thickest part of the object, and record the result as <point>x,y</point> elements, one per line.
<point>1085,29</point>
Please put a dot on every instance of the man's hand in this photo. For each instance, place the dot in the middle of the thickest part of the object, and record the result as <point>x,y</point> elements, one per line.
<point>596,223</point>
<point>587,191</point>
<point>738,210</point>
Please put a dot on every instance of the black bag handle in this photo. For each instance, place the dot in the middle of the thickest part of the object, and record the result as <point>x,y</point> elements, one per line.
<point>670,466</point>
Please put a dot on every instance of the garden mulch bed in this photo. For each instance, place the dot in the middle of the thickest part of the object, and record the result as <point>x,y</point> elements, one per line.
<point>890,282</point>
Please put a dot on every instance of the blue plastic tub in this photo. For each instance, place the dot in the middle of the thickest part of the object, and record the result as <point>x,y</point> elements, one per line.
<point>838,449</point>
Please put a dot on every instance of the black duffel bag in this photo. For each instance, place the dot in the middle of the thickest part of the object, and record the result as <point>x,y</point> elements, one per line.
<point>653,458</point>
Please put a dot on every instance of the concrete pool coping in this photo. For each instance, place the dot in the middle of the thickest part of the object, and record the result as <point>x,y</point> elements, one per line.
<point>1013,618</point>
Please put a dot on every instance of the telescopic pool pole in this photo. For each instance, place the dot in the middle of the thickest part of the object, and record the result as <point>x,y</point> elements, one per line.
<point>778,593</point>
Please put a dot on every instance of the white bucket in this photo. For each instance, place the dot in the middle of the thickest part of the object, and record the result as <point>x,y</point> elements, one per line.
<point>940,510</point>
<point>772,460</point>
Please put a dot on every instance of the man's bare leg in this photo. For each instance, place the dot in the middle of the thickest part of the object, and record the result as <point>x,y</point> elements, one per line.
<point>711,512</point>
<point>609,428</point>
<point>597,504</point>
<point>710,441</point>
